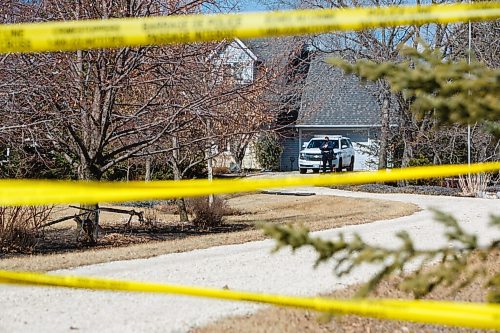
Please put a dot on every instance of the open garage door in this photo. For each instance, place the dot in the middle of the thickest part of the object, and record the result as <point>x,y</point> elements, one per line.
<point>366,157</point>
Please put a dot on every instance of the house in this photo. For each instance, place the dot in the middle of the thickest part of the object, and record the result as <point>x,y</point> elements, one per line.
<point>237,60</point>
<point>314,99</point>
<point>333,103</point>
<point>318,99</point>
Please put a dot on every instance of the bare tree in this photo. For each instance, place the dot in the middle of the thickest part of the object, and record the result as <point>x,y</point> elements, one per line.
<point>102,107</point>
<point>448,144</point>
<point>376,45</point>
<point>234,110</point>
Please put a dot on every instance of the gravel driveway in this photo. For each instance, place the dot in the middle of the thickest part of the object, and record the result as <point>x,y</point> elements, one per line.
<point>248,266</point>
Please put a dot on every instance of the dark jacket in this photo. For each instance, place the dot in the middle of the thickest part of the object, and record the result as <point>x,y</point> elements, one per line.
<point>327,148</point>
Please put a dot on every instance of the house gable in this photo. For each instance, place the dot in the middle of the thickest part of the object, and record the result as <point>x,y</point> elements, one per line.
<point>240,60</point>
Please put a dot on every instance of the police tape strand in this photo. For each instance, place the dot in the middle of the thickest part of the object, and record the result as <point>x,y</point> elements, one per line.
<point>472,315</point>
<point>44,192</point>
<point>144,31</point>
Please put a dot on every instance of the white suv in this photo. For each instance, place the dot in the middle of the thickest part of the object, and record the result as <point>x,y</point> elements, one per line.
<point>310,156</point>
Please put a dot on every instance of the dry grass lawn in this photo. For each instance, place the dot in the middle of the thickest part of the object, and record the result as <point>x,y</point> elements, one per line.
<point>168,236</point>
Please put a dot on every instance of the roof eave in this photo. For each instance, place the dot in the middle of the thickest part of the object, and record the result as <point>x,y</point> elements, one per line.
<point>246,49</point>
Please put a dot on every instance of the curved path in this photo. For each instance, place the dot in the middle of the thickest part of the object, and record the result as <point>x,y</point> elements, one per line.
<point>248,266</point>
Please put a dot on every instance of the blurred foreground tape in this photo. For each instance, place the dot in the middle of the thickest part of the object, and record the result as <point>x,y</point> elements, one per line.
<point>129,32</point>
<point>43,192</point>
<point>471,315</point>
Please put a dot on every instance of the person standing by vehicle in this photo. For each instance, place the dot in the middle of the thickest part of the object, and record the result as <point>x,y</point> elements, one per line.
<point>327,154</point>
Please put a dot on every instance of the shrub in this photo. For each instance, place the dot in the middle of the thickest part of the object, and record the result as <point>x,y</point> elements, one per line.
<point>19,227</point>
<point>474,184</point>
<point>208,216</point>
<point>268,151</point>
<point>151,217</point>
<point>418,161</point>
<point>221,170</point>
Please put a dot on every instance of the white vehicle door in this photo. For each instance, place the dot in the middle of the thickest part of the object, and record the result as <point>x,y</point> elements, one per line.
<point>352,152</point>
<point>346,154</point>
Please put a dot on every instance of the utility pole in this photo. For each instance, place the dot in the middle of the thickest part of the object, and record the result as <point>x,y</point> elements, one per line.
<point>209,161</point>
<point>468,125</point>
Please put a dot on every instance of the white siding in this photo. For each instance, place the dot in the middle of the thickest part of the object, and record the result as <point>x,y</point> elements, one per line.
<point>241,60</point>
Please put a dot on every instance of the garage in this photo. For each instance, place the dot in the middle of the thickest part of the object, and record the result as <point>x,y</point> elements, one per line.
<point>333,103</point>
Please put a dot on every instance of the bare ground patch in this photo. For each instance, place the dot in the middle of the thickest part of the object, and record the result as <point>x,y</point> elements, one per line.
<point>282,320</point>
<point>58,249</point>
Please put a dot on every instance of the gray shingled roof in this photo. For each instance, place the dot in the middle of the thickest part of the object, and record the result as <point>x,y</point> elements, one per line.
<point>276,51</point>
<point>333,98</point>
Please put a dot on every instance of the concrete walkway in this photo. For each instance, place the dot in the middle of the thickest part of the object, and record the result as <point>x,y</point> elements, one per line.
<point>249,266</point>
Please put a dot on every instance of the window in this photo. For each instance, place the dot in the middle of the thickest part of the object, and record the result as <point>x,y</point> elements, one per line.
<point>318,143</point>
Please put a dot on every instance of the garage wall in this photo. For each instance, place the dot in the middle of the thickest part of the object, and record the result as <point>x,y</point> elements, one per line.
<point>290,150</point>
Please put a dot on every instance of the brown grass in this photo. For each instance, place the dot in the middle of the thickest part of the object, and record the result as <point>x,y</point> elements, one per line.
<point>315,212</point>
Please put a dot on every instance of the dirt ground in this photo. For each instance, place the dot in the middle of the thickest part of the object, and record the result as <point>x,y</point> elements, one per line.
<point>58,248</point>
<point>282,320</point>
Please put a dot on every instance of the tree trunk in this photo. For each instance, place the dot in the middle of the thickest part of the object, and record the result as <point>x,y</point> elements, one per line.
<point>239,149</point>
<point>407,156</point>
<point>181,203</point>
<point>88,224</point>
<point>183,215</point>
<point>239,155</point>
<point>147,177</point>
<point>385,126</point>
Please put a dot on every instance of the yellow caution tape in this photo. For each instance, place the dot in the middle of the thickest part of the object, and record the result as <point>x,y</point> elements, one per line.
<point>43,192</point>
<point>126,32</point>
<point>472,315</point>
